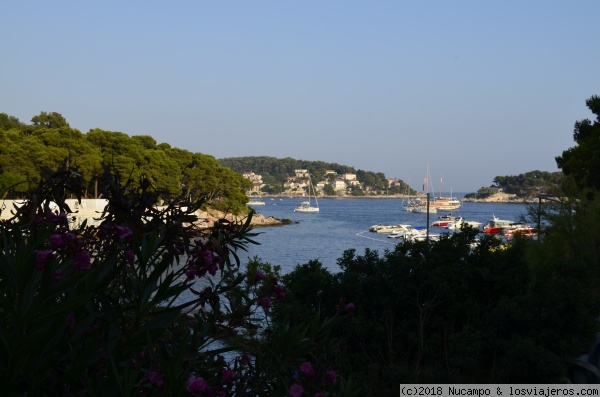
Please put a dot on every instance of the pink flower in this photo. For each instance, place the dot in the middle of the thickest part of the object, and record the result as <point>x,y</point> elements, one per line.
<point>307,369</point>
<point>81,261</point>
<point>296,390</point>
<point>212,269</point>
<point>124,233</point>
<point>266,303</point>
<point>69,239</point>
<point>207,255</point>
<point>56,241</point>
<point>227,375</point>
<point>196,386</point>
<point>330,377</point>
<point>129,255</point>
<point>343,307</point>
<point>259,276</point>
<point>157,380</point>
<point>246,359</point>
<point>191,274</point>
<point>42,258</point>
<point>280,292</point>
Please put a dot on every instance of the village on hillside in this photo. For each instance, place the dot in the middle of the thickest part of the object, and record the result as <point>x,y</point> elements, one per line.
<point>341,185</point>
<point>297,184</point>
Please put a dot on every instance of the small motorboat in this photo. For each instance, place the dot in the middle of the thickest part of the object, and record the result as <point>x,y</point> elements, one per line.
<point>496,226</point>
<point>445,220</point>
<point>521,229</point>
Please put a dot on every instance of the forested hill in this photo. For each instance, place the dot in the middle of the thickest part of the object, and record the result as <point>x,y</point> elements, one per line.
<point>275,171</point>
<point>280,168</point>
<point>530,183</point>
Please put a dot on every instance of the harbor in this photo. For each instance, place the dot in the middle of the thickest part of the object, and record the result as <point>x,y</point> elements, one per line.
<point>344,224</point>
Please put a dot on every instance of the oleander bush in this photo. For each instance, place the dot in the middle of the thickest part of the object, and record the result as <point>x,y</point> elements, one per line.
<point>144,303</point>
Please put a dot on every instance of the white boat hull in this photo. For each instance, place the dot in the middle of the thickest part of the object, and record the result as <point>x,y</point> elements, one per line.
<point>423,210</point>
<point>307,210</point>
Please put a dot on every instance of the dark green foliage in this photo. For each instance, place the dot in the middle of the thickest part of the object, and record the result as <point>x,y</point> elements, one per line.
<point>29,154</point>
<point>117,322</point>
<point>84,330</point>
<point>280,168</point>
<point>10,122</point>
<point>328,190</point>
<point>310,289</point>
<point>50,120</point>
<point>530,183</point>
<point>447,313</point>
<point>582,162</point>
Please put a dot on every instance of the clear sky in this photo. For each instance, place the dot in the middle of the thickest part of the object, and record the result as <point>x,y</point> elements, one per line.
<point>475,89</point>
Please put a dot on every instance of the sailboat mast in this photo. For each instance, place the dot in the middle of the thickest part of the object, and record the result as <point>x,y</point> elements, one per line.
<point>314,192</point>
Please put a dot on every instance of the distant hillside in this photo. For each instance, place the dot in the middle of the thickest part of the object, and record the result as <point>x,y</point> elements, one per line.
<point>528,184</point>
<point>275,172</point>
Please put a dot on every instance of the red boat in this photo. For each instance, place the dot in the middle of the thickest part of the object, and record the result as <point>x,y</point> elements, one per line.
<point>518,228</point>
<point>496,226</point>
<point>445,220</point>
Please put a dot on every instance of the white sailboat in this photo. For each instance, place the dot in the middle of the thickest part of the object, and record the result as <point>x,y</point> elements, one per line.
<point>426,205</point>
<point>306,206</point>
<point>408,202</point>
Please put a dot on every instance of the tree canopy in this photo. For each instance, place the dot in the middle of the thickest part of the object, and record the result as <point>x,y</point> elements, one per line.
<point>29,153</point>
<point>581,163</point>
<point>530,183</point>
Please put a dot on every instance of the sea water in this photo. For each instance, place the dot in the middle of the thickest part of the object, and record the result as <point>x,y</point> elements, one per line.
<point>343,224</point>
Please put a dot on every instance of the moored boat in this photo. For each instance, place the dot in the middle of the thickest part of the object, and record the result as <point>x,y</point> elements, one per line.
<point>457,225</point>
<point>521,229</point>
<point>445,220</point>
<point>379,226</point>
<point>382,229</point>
<point>406,232</point>
<point>496,226</point>
<point>446,203</point>
<point>306,206</point>
<point>422,209</point>
<point>254,202</point>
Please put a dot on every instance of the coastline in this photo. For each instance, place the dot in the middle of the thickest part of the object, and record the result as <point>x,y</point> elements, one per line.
<point>258,220</point>
<point>208,218</point>
<point>494,198</point>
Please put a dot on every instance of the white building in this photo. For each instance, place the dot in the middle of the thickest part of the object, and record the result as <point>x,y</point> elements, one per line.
<point>301,173</point>
<point>252,176</point>
<point>339,184</point>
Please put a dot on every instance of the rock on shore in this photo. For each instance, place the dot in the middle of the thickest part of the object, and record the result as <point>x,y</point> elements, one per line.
<point>208,218</point>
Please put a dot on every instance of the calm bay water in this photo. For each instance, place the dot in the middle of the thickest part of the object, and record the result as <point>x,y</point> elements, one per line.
<point>343,224</point>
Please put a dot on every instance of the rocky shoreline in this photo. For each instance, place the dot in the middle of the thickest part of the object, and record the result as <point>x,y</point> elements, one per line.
<point>207,219</point>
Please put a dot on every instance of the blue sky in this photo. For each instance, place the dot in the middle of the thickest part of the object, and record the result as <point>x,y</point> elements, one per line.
<point>475,89</point>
